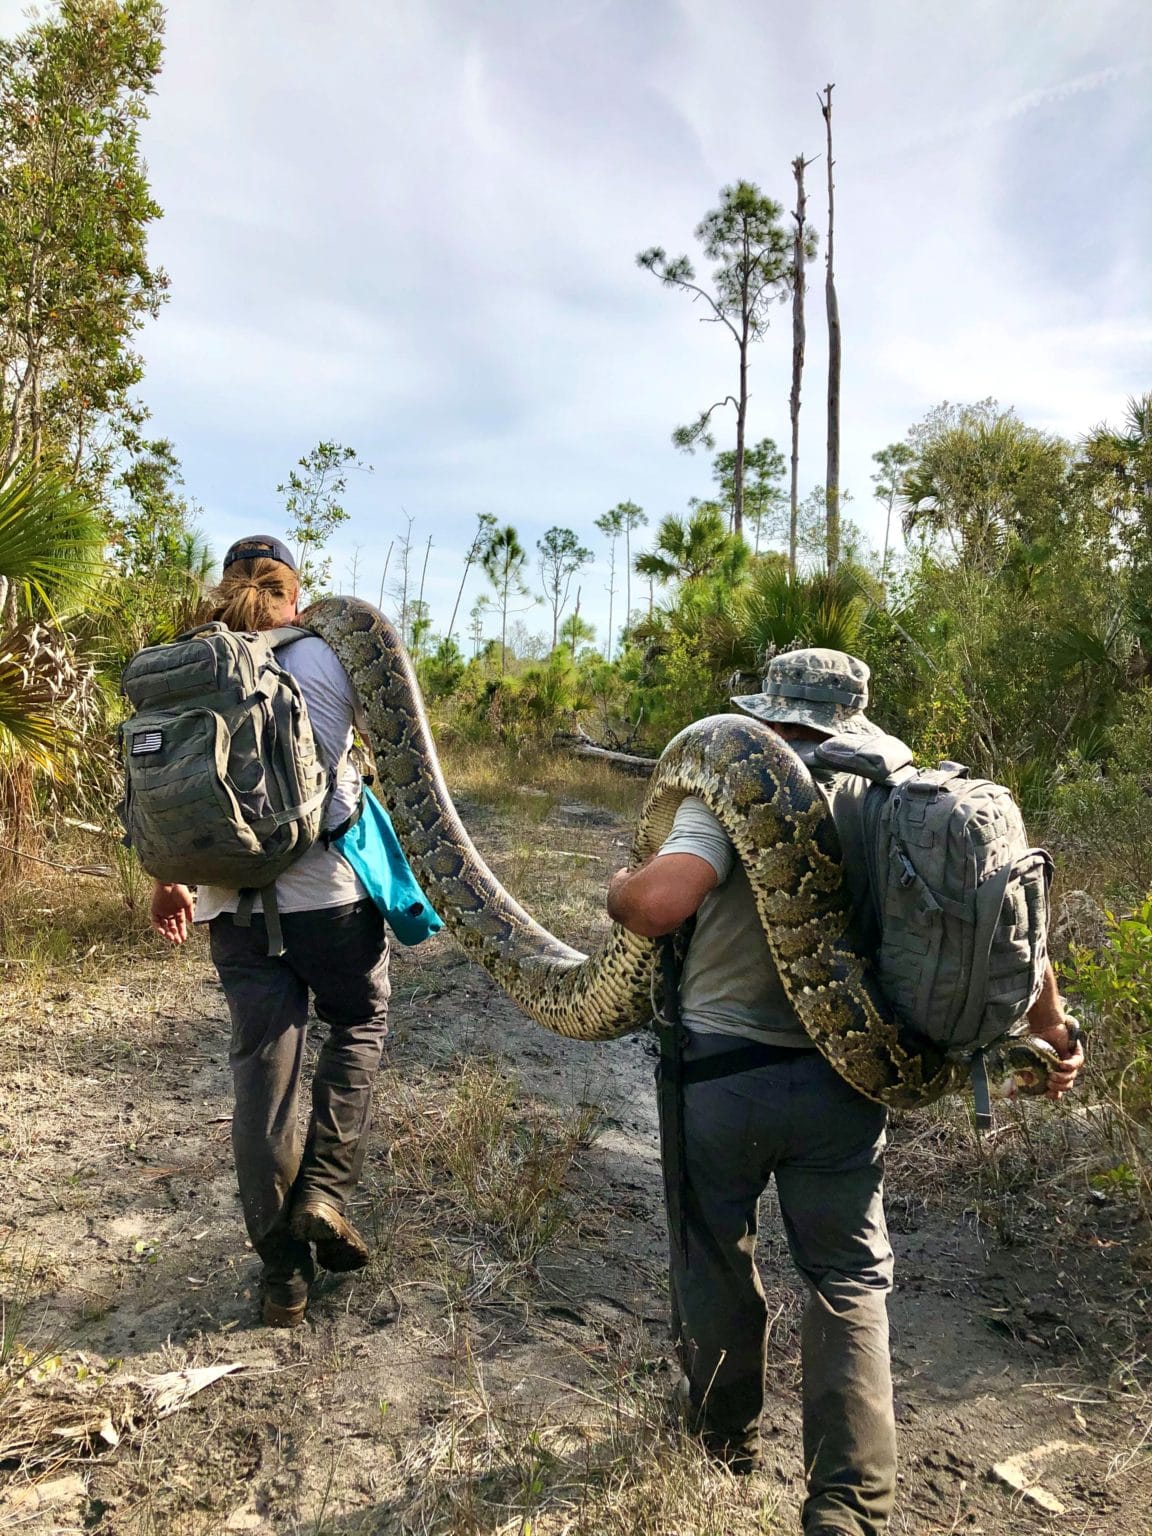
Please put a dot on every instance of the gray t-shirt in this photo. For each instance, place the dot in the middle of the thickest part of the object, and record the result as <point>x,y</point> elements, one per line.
<point>730,985</point>
<point>321,878</point>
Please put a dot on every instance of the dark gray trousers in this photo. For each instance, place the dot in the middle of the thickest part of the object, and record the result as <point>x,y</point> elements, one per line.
<point>341,954</point>
<point>798,1120</point>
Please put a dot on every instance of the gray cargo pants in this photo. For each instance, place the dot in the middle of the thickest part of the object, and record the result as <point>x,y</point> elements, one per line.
<point>341,953</point>
<point>796,1118</point>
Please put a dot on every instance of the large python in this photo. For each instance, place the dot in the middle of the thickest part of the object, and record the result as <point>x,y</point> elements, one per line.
<point>768,805</point>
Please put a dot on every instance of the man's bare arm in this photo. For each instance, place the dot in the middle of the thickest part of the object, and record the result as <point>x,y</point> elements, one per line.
<point>1048,1021</point>
<point>661,894</point>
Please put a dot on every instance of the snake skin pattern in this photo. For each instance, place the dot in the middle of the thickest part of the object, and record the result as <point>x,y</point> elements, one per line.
<point>767,803</point>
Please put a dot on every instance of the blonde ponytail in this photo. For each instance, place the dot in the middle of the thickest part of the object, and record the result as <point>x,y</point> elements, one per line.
<point>253,594</point>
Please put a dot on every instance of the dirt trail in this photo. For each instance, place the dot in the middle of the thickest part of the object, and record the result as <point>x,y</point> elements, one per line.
<point>1018,1322</point>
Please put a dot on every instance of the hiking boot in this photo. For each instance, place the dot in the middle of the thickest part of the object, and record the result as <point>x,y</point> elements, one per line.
<point>741,1455</point>
<point>277,1311</point>
<point>339,1247</point>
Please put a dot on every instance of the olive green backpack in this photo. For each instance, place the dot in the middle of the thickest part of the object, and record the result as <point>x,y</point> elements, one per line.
<point>224,784</point>
<point>960,896</point>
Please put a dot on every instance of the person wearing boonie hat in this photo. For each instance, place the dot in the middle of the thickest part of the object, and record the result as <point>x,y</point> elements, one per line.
<point>827,691</point>
<point>759,1100</point>
<point>294,1192</point>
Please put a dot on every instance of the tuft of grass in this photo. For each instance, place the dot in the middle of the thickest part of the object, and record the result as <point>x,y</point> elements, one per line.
<point>23,1273</point>
<point>498,1163</point>
<point>28,1349</point>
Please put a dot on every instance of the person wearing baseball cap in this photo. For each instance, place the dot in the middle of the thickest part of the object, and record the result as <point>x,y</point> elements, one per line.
<point>260,546</point>
<point>295,1190</point>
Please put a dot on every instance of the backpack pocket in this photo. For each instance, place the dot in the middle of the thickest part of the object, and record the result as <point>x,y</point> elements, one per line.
<point>245,777</point>
<point>1018,954</point>
<point>182,817</point>
<point>158,675</point>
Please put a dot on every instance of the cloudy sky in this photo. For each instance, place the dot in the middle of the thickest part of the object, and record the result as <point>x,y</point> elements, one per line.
<point>410,225</point>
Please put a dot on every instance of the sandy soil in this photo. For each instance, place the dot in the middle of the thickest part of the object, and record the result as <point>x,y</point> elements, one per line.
<point>429,1392</point>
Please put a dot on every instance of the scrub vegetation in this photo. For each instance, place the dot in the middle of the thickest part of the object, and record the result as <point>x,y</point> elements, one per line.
<point>502,1364</point>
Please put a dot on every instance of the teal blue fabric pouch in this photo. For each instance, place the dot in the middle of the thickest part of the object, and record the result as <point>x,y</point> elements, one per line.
<point>374,852</point>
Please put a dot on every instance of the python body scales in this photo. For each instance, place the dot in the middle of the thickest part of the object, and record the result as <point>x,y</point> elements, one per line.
<point>763,796</point>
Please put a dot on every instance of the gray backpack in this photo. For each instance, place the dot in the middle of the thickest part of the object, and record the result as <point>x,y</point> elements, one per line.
<point>960,897</point>
<point>224,785</point>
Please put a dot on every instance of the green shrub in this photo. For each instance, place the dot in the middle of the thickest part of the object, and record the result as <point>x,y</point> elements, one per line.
<point>440,673</point>
<point>1114,986</point>
<point>528,707</point>
<point>1100,817</point>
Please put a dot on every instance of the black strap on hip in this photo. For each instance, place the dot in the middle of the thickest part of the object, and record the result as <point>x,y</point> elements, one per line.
<point>331,834</point>
<point>744,1058</point>
<point>671,1031</point>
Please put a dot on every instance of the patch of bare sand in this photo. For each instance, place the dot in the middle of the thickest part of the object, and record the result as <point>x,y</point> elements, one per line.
<point>456,1386</point>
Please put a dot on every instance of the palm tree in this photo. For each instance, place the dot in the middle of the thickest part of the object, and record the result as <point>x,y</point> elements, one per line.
<point>983,479</point>
<point>631,518</point>
<point>694,547</point>
<point>1124,456</point>
<point>191,575</point>
<point>51,544</point>
<point>51,557</point>
<point>773,612</point>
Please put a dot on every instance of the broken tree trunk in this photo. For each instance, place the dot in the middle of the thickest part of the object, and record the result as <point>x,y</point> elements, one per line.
<point>798,338</point>
<point>832,478</point>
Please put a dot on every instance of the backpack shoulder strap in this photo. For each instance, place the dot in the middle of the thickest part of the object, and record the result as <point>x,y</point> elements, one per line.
<point>286,633</point>
<point>882,759</point>
<point>264,644</point>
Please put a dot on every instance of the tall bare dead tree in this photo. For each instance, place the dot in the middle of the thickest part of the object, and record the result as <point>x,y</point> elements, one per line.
<point>800,244</point>
<point>384,577</point>
<point>485,524</point>
<point>832,474</point>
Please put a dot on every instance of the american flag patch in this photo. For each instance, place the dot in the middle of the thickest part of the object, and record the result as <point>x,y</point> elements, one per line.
<point>147,741</point>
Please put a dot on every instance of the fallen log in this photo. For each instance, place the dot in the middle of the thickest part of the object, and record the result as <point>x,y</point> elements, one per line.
<point>581,745</point>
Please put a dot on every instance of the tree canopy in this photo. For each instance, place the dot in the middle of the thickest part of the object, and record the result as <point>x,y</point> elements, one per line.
<point>76,281</point>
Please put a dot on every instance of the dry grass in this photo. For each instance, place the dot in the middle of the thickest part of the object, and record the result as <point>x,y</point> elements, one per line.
<point>474,1164</point>
<point>607,1458</point>
<point>533,780</point>
<point>58,923</point>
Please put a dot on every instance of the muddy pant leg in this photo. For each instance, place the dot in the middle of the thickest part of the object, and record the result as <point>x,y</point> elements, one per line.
<point>343,954</point>
<point>268,1003</point>
<point>831,1197</point>
<point>718,1310</point>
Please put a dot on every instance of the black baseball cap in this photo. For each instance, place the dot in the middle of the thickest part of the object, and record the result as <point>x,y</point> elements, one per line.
<point>259,546</point>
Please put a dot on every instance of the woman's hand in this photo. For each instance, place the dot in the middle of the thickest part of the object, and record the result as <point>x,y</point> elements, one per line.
<point>170,911</point>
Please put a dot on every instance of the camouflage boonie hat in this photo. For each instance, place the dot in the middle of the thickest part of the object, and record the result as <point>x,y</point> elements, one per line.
<point>827,690</point>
